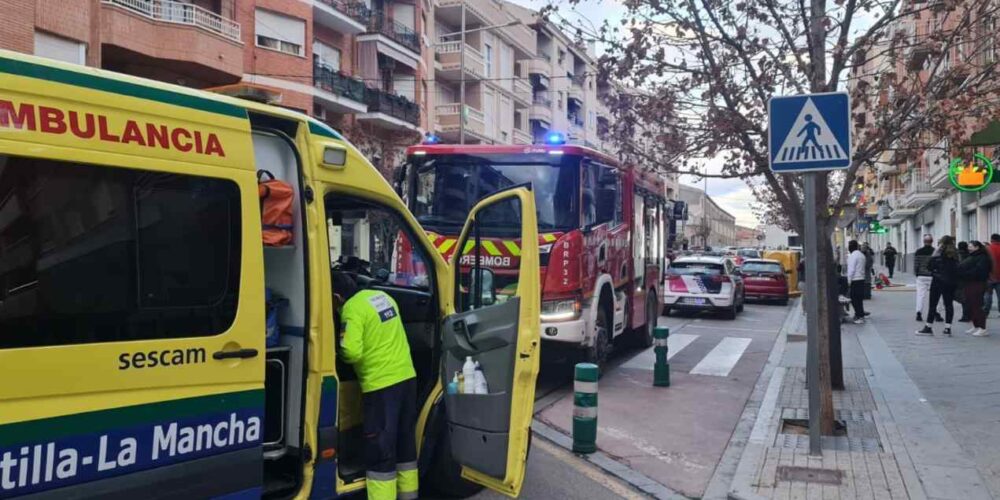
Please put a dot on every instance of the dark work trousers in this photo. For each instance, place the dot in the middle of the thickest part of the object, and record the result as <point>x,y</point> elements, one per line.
<point>946,291</point>
<point>974,302</point>
<point>858,298</point>
<point>390,428</point>
<point>891,264</point>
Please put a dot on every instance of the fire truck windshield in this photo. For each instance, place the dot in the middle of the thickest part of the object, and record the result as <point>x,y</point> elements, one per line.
<point>448,186</point>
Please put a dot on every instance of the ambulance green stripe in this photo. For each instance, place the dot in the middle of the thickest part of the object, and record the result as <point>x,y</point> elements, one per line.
<point>79,79</point>
<point>48,429</point>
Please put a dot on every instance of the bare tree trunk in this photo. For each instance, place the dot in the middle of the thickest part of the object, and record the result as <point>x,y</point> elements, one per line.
<point>817,38</point>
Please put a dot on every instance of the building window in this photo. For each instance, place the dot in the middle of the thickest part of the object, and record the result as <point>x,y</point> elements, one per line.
<point>59,48</point>
<point>488,59</point>
<point>279,32</point>
<point>95,254</point>
<point>326,56</point>
<point>562,56</point>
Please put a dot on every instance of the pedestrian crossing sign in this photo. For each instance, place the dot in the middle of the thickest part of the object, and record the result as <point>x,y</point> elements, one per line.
<point>809,132</point>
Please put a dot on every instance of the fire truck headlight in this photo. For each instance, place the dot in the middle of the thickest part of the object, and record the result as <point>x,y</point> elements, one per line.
<point>560,310</point>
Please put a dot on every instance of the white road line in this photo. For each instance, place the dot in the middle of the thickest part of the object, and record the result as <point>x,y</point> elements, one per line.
<point>730,328</point>
<point>645,359</point>
<point>721,360</point>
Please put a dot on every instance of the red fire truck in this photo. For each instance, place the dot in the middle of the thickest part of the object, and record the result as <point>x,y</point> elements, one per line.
<point>602,228</point>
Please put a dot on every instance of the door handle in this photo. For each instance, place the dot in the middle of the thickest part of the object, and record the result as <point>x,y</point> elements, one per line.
<point>238,353</point>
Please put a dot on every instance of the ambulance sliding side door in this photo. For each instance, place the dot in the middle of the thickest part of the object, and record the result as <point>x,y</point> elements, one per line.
<point>496,322</point>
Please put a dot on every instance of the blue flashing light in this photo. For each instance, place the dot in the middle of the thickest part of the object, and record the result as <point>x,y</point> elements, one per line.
<point>555,138</point>
<point>430,138</point>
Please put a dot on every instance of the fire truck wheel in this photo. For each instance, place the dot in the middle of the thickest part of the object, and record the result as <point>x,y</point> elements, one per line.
<point>598,353</point>
<point>644,335</point>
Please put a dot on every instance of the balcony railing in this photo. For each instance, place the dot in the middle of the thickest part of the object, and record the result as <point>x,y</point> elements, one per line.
<point>355,10</point>
<point>402,34</point>
<point>541,99</point>
<point>338,83</point>
<point>575,119</point>
<point>380,101</point>
<point>521,88</point>
<point>521,137</point>
<point>182,13</point>
<point>449,53</point>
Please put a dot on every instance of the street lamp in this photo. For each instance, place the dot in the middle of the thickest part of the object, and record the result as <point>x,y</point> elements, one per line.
<point>461,65</point>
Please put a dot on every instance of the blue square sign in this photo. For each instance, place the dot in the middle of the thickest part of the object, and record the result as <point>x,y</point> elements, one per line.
<point>809,132</point>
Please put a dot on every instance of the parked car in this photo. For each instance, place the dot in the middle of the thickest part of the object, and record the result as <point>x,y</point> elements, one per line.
<point>747,253</point>
<point>765,279</point>
<point>704,283</point>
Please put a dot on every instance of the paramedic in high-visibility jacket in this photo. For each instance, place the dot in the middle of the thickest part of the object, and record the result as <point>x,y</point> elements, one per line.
<point>374,341</point>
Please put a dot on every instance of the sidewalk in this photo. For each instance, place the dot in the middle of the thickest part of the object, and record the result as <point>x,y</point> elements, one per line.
<point>922,414</point>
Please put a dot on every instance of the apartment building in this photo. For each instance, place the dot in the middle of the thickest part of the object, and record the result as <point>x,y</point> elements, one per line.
<point>360,66</point>
<point>708,225</point>
<point>908,191</point>
<point>480,44</point>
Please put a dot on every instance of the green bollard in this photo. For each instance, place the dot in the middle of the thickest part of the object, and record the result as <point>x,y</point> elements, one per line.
<point>585,408</point>
<point>661,369</point>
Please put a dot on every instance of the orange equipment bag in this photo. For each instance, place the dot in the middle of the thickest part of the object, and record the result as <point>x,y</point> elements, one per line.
<point>276,198</point>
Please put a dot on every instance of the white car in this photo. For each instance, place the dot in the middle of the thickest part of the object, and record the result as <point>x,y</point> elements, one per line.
<point>704,283</point>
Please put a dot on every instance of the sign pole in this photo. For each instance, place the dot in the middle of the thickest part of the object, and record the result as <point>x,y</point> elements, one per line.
<point>812,299</point>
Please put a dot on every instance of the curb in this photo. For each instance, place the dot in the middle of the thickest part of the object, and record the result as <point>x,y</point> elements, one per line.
<point>636,479</point>
<point>746,445</point>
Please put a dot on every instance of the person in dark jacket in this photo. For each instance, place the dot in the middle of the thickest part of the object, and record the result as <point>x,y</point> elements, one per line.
<point>869,268</point>
<point>921,258</point>
<point>975,271</point>
<point>943,266</point>
<point>963,252</point>
<point>889,256</point>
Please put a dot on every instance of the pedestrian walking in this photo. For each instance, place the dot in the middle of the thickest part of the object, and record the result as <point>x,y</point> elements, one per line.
<point>869,268</point>
<point>993,286</point>
<point>856,276</point>
<point>963,252</point>
<point>975,272</point>
<point>944,268</point>
<point>889,258</point>
<point>921,259</point>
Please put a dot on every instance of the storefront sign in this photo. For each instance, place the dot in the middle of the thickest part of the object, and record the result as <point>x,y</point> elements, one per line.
<point>973,175</point>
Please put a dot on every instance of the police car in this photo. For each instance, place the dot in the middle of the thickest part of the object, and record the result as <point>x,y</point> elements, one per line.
<point>704,283</point>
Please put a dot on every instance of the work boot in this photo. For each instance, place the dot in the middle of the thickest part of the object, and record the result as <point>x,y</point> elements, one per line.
<point>920,317</point>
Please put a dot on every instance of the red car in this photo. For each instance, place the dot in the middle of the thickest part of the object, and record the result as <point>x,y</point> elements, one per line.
<point>765,279</point>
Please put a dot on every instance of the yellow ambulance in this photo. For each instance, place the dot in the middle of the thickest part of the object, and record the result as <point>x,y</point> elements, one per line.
<point>152,347</point>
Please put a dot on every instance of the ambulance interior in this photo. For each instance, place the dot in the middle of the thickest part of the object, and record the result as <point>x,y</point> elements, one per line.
<point>368,241</point>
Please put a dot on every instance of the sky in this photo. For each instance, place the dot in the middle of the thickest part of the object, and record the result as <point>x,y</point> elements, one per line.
<point>732,195</point>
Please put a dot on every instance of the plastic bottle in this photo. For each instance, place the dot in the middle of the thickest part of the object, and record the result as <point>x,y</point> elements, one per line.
<point>481,387</point>
<point>469,371</point>
<point>453,385</point>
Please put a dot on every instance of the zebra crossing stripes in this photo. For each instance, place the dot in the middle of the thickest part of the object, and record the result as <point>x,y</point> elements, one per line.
<point>721,360</point>
<point>645,359</point>
<point>717,363</point>
<point>824,152</point>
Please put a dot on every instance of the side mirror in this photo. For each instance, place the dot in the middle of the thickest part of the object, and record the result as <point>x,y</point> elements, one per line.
<point>482,280</point>
<point>399,179</point>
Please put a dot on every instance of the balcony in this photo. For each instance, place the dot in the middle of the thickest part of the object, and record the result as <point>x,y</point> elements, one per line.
<point>449,59</point>
<point>448,123</point>
<point>541,107</point>
<point>390,111</point>
<point>575,93</point>
<point>522,137</point>
<point>337,91</point>
<point>522,92</point>
<point>184,41</point>
<point>539,66</point>
<point>487,13</point>
<point>392,39</point>
<point>342,16</point>
<point>918,189</point>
